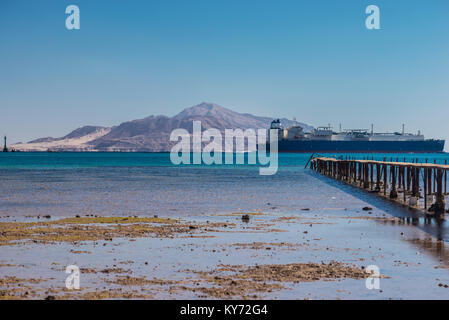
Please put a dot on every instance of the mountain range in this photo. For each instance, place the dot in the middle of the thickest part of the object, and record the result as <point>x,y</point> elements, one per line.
<point>151,134</point>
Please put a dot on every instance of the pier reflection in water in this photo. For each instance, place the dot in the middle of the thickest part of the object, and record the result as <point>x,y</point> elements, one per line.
<point>430,233</point>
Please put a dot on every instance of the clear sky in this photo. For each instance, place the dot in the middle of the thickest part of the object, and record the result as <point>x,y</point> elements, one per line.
<point>311,59</point>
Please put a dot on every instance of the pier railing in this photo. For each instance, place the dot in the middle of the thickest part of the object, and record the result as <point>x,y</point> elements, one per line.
<point>419,185</point>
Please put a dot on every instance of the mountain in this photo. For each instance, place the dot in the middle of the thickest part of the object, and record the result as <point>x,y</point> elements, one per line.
<point>151,133</point>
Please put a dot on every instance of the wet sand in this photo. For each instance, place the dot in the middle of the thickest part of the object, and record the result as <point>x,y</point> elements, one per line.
<point>309,254</point>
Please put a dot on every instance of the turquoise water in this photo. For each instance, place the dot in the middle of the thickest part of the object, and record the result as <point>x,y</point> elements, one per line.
<point>46,160</point>
<point>124,184</point>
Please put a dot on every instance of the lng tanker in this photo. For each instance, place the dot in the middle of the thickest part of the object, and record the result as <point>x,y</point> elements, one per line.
<point>324,139</point>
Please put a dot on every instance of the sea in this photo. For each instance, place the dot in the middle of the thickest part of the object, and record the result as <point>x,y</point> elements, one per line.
<point>145,184</point>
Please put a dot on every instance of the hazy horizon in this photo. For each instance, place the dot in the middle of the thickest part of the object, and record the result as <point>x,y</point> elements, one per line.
<point>313,60</point>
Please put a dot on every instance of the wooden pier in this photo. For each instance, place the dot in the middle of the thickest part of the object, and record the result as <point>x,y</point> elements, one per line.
<point>418,185</point>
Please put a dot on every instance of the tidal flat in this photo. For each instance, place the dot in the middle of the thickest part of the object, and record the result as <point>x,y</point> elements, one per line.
<point>308,255</point>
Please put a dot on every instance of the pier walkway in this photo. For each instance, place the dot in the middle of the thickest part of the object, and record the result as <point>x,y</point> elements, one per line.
<point>418,185</point>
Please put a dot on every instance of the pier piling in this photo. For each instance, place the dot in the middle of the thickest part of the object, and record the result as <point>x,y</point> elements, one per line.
<point>392,179</point>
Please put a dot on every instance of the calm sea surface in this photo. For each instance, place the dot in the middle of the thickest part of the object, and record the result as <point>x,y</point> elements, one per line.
<point>67,184</point>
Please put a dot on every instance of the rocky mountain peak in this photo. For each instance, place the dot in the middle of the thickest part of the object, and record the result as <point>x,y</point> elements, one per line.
<point>203,109</point>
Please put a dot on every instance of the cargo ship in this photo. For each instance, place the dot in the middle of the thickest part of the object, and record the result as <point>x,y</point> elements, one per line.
<point>324,139</point>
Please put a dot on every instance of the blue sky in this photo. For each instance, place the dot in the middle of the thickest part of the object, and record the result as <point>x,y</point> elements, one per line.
<point>311,59</point>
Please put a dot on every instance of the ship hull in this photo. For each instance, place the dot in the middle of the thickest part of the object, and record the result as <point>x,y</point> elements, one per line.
<point>426,146</point>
